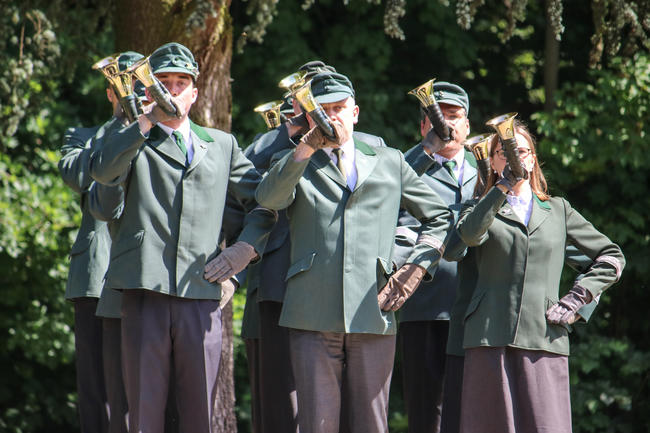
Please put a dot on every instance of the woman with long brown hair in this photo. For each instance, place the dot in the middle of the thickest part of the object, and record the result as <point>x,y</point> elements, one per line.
<point>516,376</point>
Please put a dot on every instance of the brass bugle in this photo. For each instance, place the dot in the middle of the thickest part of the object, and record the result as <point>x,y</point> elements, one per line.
<point>121,83</point>
<point>143,72</point>
<point>293,82</point>
<point>478,145</point>
<point>309,104</point>
<point>424,93</point>
<point>504,126</point>
<point>270,112</point>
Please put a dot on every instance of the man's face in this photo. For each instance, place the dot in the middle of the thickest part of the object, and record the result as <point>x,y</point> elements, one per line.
<point>181,86</point>
<point>344,111</point>
<point>457,121</point>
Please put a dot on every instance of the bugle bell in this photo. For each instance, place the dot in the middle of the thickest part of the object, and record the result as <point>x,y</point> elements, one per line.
<point>504,126</point>
<point>293,81</point>
<point>143,72</point>
<point>424,93</point>
<point>301,90</point>
<point>270,112</point>
<point>313,108</point>
<point>478,145</point>
<point>121,83</point>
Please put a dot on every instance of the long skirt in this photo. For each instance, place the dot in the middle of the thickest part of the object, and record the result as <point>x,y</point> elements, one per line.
<point>508,390</point>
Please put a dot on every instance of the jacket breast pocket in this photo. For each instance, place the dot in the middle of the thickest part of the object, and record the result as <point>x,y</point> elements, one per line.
<point>126,244</point>
<point>81,245</point>
<point>301,265</point>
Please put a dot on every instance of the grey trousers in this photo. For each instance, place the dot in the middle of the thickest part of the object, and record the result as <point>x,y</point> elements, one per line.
<point>112,355</point>
<point>510,390</point>
<point>93,413</point>
<point>423,346</point>
<point>331,367</point>
<point>157,330</point>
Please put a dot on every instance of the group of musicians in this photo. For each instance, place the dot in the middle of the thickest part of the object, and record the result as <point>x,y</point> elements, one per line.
<point>332,232</point>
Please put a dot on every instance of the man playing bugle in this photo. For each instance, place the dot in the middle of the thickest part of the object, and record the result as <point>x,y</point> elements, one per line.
<point>165,256</point>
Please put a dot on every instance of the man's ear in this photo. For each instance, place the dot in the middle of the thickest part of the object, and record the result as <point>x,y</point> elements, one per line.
<point>355,114</point>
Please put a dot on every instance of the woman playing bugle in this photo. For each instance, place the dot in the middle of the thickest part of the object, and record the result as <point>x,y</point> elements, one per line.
<point>516,373</point>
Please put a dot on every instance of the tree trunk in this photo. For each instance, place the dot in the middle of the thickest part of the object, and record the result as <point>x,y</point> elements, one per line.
<point>551,64</point>
<point>205,27</point>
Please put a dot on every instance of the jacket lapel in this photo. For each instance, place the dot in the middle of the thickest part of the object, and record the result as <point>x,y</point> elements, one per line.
<point>508,213</point>
<point>325,165</point>
<point>441,174</point>
<point>469,168</point>
<point>365,160</point>
<point>540,212</point>
<point>200,140</point>
<point>166,145</point>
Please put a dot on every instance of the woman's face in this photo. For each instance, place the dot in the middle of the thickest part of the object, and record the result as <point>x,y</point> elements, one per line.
<point>498,160</point>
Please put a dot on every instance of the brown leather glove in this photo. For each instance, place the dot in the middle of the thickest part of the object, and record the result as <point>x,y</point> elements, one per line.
<point>400,286</point>
<point>227,291</point>
<point>433,143</point>
<point>231,261</point>
<point>340,133</point>
<point>155,114</point>
<point>314,138</point>
<point>565,312</point>
<point>317,140</point>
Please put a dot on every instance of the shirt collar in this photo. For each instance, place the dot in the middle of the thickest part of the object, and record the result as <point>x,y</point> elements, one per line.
<point>525,195</point>
<point>184,129</point>
<point>348,149</point>
<point>459,158</point>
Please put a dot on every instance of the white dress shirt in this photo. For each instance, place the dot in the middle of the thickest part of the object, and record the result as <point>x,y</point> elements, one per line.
<point>459,158</point>
<point>522,204</point>
<point>184,129</point>
<point>348,157</point>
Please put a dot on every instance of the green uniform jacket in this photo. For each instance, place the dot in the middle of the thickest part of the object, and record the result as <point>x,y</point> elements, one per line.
<point>467,277</point>
<point>433,299</point>
<point>90,251</point>
<point>342,240</point>
<point>172,214</point>
<point>519,270</point>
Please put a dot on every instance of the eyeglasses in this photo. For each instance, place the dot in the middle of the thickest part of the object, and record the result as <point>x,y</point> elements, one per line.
<point>522,151</point>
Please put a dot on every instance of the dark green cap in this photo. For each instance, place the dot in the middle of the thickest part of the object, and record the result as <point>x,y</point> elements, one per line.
<point>447,93</point>
<point>331,87</point>
<point>315,67</point>
<point>128,58</point>
<point>174,57</point>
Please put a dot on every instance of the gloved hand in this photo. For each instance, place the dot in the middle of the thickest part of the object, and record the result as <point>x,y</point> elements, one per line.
<point>341,135</point>
<point>432,143</point>
<point>156,114</point>
<point>400,286</point>
<point>565,311</point>
<point>314,138</point>
<point>508,179</point>
<point>298,124</point>
<point>227,291</point>
<point>231,261</point>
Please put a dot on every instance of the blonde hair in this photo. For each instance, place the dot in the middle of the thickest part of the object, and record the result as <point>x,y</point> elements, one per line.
<point>537,179</point>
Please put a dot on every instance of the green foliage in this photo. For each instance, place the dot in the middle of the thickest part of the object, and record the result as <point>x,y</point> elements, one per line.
<point>36,389</point>
<point>40,46</point>
<point>596,150</point>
